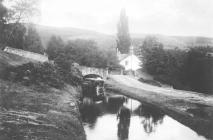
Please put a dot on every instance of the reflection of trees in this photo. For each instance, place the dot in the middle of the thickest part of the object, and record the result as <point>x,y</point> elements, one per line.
<point>89,114</point>
<point>123,129</point>
<point>151,117</point>
<point>124,121</point>
<point>114,104</point>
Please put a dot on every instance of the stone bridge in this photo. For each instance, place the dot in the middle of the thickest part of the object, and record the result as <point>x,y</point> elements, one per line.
<point>91,70</point>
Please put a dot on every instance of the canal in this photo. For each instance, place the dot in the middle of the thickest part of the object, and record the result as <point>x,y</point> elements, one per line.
<point>101,122</point>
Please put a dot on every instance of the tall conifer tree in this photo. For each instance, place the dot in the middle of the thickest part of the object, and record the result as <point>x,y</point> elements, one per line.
<point>123,37</point>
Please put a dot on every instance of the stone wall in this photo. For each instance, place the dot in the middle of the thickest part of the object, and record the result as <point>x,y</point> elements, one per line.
<point>91,70</point>
<point>27,54</point>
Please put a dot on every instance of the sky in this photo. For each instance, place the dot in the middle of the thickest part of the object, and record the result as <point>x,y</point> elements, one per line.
<point>168,17</point>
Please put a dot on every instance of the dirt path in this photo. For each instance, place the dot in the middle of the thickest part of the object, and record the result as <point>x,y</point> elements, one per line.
<point>192,109</point>
<point>172,93</point>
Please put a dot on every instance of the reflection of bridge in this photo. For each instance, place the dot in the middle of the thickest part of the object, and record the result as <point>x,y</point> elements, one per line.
<point>91,70</point>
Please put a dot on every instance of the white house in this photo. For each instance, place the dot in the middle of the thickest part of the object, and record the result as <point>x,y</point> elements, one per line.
<point>129,61</point>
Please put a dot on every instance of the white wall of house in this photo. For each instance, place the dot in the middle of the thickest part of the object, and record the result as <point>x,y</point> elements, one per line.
<point>131,62</point>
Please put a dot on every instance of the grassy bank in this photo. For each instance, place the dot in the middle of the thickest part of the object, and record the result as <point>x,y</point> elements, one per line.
<point>38,113</point>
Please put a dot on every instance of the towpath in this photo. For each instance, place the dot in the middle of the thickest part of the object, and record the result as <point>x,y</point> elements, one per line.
<point>190,108</point>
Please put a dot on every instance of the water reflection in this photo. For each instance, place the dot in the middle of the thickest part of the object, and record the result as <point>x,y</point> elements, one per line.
<point>151,117</point>
<point>124,121</point>
<point>113,104</point>
<point>107,121</point>
<point>89,115</point>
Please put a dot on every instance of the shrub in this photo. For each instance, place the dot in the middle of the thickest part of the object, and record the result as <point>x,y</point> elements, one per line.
<point>188,70</point>
<point>39,74</point>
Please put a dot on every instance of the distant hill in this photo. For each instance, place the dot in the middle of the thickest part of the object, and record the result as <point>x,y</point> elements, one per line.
<point>107,41</point>
<point>171,42</point>
<point>66,34</point>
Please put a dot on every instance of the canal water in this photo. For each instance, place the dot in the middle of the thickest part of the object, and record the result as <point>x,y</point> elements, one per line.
<point>101,122</point>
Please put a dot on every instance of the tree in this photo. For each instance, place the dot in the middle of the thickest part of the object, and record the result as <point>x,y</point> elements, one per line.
<point>186,70</point>
<point>3,12</point>
<point>12,18</point>
<point>32,41</point>
<point>199,69</point>
<point>3,16</point>
<point>22,11</point>
<point>123,37</point>
<point>86,52</point>
<point>16,40</point>
<point>83,52</point>
<point>54,47</point>
<point>153,56</point>
<point>165,65</point>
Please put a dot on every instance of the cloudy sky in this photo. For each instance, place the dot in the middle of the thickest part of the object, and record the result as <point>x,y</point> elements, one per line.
<point>169,17</point>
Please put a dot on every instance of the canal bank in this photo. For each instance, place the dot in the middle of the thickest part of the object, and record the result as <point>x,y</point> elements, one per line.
<point>38,113</point>
<point>194,111</point>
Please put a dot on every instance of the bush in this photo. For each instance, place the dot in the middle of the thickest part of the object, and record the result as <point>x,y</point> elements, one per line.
<point>165,65</point>
<point>186,70</point>
<point>39,74</point>
<point>199,69</point>
<point>83,52</point>
<point>43,74</point>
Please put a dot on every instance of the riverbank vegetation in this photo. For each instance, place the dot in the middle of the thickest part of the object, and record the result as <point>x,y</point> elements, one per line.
<point>83,52</point>
<point>183,69</point>
<point>43,74</point>
<point>16,31</point>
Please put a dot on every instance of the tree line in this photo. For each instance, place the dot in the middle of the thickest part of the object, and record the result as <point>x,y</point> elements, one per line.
<point>190,69</point>
<point>16,32</point>
<point>15,27</point>
<point>83,52</point>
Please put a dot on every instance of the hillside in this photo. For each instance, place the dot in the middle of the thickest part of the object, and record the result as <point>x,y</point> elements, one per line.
<point>36,112</point>
<point>32,113</point>
<point>171,42</point>
<point>66,34</point>
<point>107,41</point>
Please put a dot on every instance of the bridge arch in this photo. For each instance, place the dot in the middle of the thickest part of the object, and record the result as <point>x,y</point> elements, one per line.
<point>91,70</point>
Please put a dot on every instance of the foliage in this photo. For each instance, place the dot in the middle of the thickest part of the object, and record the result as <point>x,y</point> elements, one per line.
<point>11,21</point>
<point>124,40</point>
<point>69,73</point>
<point>166,65</point>
<point>189,70</point>
<point>32,41</point>
<point>199,69</point>
<point>3,15</point>
<point>22,11</point>
<point>16,38</point>
<point>84,52</point>
<point>54,47</point>
<point>38,74</point>
<point>42,74</point>
<point>3,12</point>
